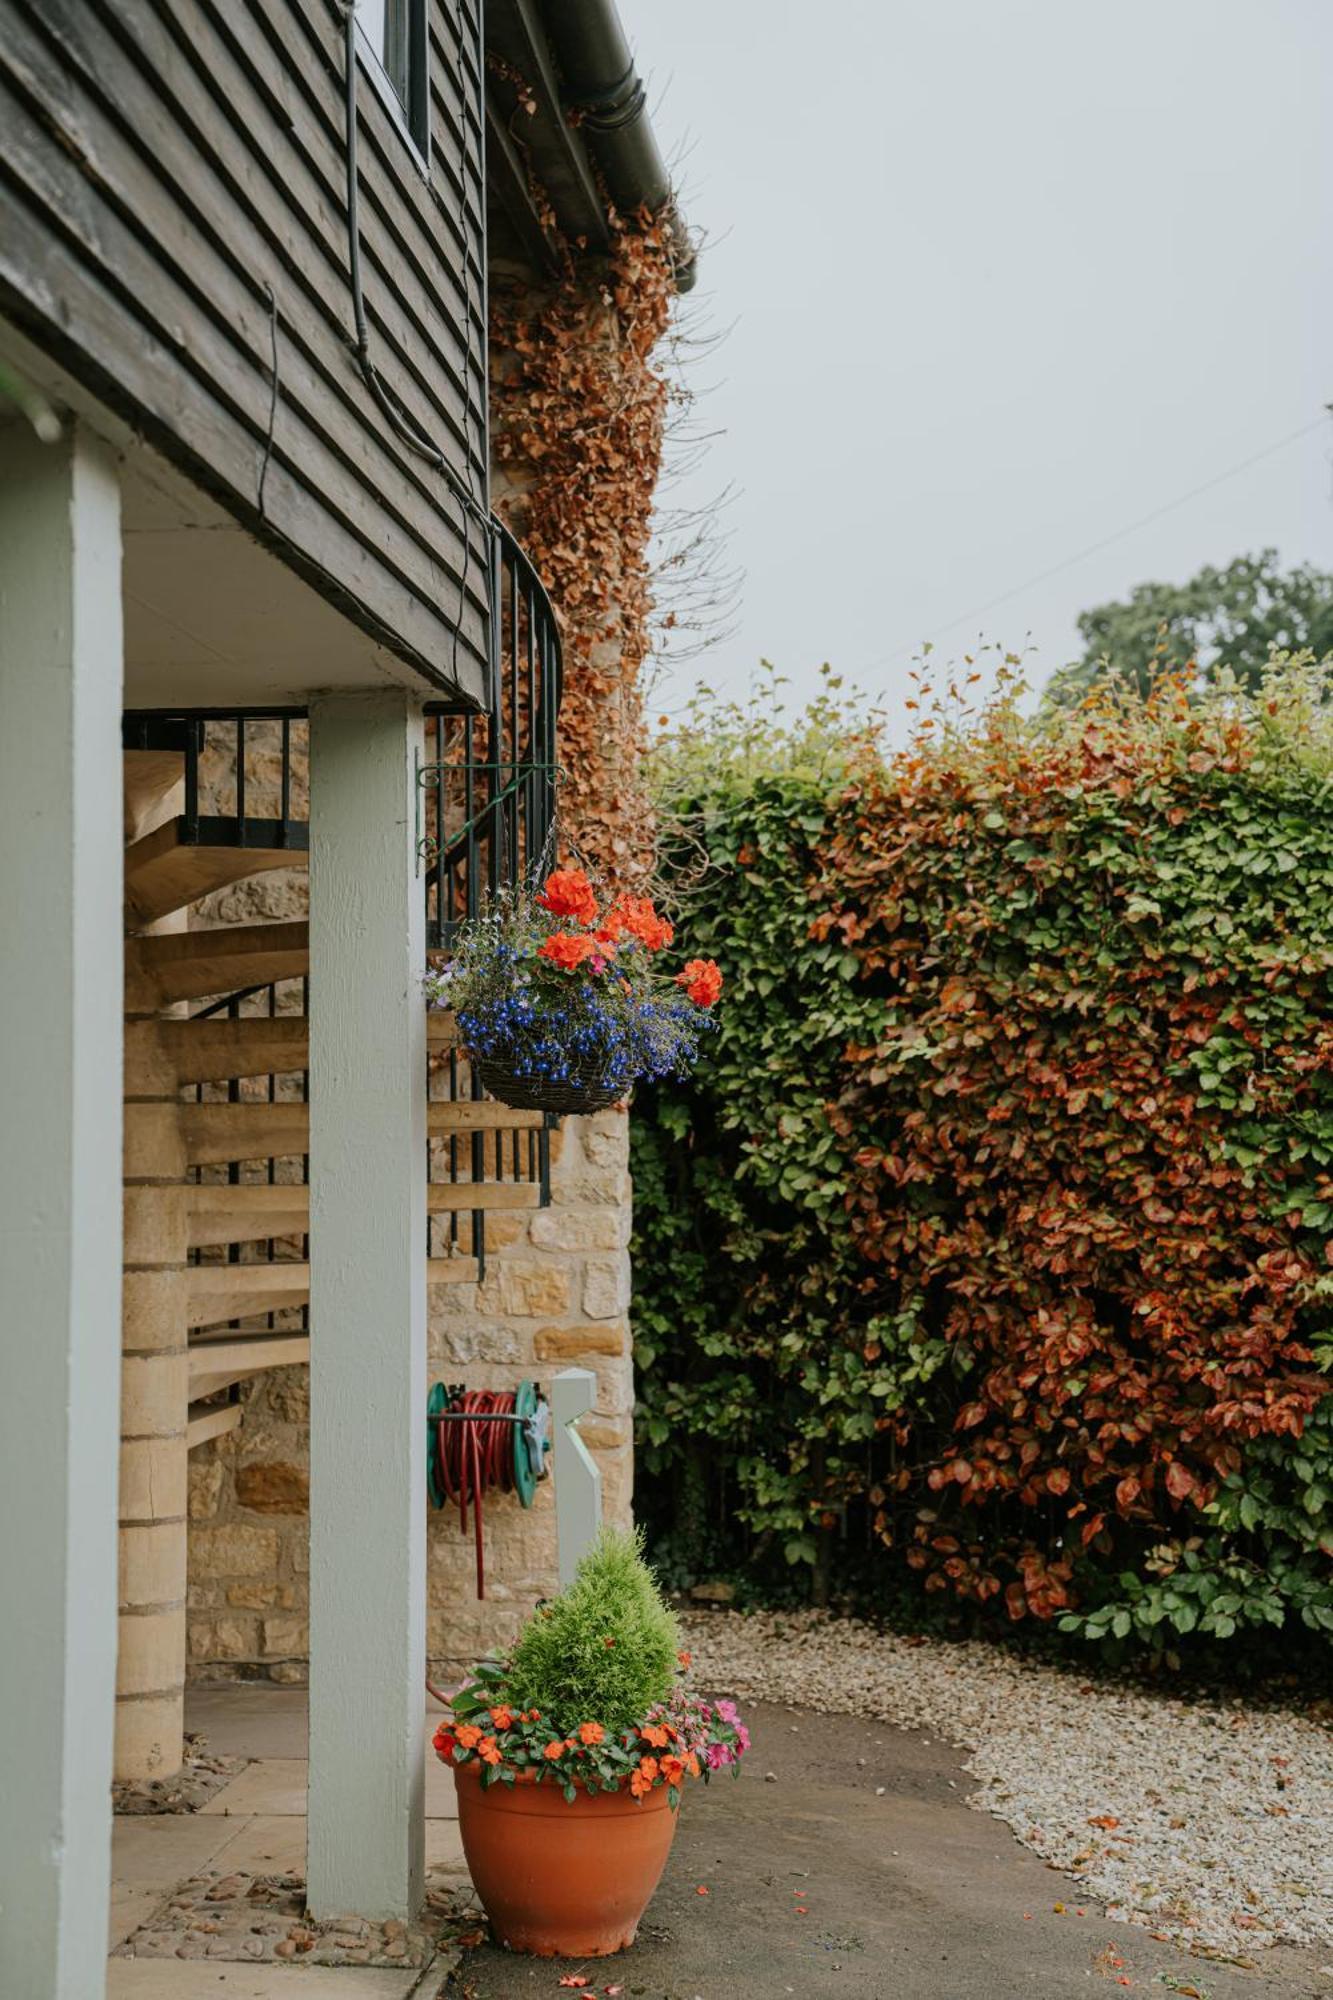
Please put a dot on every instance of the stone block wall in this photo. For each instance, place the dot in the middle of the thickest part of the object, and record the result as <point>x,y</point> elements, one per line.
<point>556,1295</point>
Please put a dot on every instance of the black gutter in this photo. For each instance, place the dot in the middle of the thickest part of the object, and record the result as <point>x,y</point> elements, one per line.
<point>605,94</point>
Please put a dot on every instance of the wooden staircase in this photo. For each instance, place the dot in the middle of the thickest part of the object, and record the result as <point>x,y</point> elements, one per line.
<point>216,1206</point>
<point>166,871</point>
<point>216,1051</point>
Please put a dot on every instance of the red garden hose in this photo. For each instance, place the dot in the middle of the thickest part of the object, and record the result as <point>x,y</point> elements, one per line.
<point>474,1456</point>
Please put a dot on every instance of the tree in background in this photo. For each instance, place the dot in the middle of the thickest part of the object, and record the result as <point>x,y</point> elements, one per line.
<point>1222,618</point>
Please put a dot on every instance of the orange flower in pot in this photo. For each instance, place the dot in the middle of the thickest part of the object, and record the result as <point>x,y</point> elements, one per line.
<point>571,1756</point>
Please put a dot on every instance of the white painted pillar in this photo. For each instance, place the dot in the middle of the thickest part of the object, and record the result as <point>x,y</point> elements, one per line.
<point>367,1310</point>
<point>60,1136</point>
<point>576,1473</point>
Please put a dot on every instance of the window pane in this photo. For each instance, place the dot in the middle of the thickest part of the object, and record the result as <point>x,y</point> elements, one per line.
<point>395,44</point>
<point>370,20</point>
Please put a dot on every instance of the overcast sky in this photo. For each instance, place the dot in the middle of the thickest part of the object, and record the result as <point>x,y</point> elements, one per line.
<point>1002,278</point>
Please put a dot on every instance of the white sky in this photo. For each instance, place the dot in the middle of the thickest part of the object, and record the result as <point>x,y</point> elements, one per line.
<point>1003,277</point>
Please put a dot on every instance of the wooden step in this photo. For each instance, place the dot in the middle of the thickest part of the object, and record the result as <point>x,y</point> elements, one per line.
<point>195,965</point>
<point>165,872</point>
<point>245,1214</point>
<point>219,1292</point>
<point>216,1134</point>
<point>216,1364</point>
<point>162,1055</point>
<point>456,1197</point>
<point>254,1214</point>
<point>150,779</point>
<point>466,1116</point>
<point>452,1271</point>
<point>210,1421</point>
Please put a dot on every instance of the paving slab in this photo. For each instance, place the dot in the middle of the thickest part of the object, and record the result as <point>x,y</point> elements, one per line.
<point>860,1873</point>
<point>269,1785</point>
<point>265,1844</point>
<point>149,1853</point>
<point>174,1979</point>
<point>444,1847</point>
<point>129,1909</point>
<point>249,1719</point>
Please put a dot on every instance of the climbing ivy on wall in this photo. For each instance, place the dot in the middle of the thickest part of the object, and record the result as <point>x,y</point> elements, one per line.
<point>987,1262</point>
<point>578,410</point>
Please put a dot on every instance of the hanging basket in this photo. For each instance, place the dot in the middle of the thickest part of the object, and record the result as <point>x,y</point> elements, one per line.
<point>570,1095</point>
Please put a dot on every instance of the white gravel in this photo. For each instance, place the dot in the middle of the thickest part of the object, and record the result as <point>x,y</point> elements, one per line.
<point>1218,1821</point>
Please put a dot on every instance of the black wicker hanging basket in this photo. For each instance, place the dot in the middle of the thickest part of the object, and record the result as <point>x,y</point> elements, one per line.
<point>570,1095</point>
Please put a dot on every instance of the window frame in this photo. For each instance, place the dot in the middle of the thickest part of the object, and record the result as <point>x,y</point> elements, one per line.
<point>411,116</point>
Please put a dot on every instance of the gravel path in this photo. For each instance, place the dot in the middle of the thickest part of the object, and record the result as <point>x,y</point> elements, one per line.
<point>1210,1825</point>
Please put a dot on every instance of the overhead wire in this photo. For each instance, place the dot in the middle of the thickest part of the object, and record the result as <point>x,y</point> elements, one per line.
<point>1108,541</point>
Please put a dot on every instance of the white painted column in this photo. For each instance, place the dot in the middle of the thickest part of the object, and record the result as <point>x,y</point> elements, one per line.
<point>367,1310</point>
<point>60,1134</point>
<point>576,1473</point>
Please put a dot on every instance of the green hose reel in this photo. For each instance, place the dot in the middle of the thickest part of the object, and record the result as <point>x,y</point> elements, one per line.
<point>528,1417</point>
<point>532,1441</point>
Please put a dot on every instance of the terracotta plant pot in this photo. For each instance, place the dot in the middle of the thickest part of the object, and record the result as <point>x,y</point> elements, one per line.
<point>561,1880</point>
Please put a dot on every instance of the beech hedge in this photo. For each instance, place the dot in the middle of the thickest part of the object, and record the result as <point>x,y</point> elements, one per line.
<point>987,1261</point>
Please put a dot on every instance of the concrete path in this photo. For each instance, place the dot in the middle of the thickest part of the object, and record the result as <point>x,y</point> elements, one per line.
<point>908,1896</point>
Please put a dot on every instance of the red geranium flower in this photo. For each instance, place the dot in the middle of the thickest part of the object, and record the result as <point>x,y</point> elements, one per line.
<point>566,952</point>
<point>569,893</point>
<point>702,980</point>
<point>634,916</point>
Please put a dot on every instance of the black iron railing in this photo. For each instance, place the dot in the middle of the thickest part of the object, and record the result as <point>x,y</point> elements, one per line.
<point>486,815</point>
<point>487,783</point>
<point>242,773</point>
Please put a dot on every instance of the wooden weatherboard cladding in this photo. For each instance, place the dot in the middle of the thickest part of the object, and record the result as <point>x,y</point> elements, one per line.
<point>172,180</point>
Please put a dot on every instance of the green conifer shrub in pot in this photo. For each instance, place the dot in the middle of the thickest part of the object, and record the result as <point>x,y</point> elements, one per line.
<point>570,1757</point>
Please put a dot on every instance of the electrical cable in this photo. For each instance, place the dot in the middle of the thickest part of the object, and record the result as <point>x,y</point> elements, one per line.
<point>273,393</point>
<point>1107,541</point>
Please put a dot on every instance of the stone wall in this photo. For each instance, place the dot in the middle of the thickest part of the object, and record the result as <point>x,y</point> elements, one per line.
<point>556,1295</point>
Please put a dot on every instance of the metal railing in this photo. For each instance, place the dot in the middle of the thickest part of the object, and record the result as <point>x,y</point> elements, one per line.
<point>242,772</point>
<point>486,816</point>
<point>486,787</point>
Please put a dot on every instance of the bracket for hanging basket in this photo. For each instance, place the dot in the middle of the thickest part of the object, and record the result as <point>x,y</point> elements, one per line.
<point>433,777</point>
